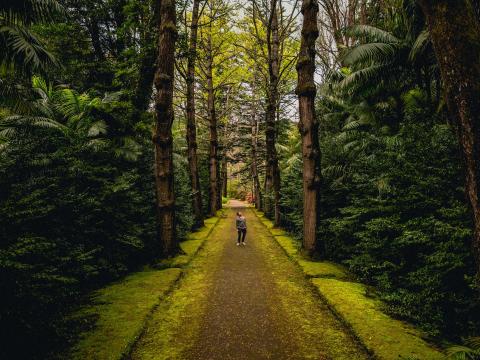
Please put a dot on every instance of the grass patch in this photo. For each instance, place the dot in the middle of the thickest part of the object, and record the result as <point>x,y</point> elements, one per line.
<point>269,224</point>
<point>323,269</point>
<point>259,213</point>
<point>127,303</point>
<point>288,244</point>
<point>211,221</point>
<point>202,233</point>
<point>278,232</point>
<point>190,247</point>
<point>387,338</point>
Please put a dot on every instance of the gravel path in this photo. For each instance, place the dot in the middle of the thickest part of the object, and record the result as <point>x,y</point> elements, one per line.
<point>247,302</point>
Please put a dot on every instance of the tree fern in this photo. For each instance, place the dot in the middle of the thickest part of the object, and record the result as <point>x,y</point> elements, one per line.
<point>20,47</point>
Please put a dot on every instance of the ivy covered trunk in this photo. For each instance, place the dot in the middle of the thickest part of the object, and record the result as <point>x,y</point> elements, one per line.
<point>455,34</point>
<point>308,126</point>
<point>191,122</point>
<point>163,141</point>
<point>213,146</point>
<point>272,172</point>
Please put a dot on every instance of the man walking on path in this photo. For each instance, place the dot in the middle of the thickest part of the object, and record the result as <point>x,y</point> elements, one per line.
<point>241,223</point>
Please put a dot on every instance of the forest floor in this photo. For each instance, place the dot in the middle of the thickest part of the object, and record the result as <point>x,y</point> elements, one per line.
<point>244,302</point>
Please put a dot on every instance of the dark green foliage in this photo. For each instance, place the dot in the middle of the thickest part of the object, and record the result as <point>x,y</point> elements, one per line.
<point>393,202</point>
<point>73,217</point>
<point>396,215</point>
<point>406,230</point>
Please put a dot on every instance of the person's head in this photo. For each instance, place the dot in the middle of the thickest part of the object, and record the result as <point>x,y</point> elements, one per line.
<point>239,214</point>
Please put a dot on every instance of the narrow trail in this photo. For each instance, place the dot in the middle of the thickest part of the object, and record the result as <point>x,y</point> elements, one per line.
<point>244,303</point>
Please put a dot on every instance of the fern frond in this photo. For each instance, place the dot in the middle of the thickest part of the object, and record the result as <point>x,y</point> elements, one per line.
<point>370,53</point>
<point>24,49</point>
<point>371,33</point>
<point>418,48</point>
<point>362,77</point>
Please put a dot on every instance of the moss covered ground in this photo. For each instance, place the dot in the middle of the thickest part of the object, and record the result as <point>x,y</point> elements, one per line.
<point>127,303</point>
<point>121,309</point>
<point>220,301</point>
<point>384,337</point>
<point>170,331</point>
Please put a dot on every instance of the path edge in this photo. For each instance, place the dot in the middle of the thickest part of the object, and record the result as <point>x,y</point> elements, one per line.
<point>127,353</point>
<point>348,325</point>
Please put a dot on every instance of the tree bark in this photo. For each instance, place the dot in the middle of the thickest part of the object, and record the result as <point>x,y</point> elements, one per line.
<point>221,157</point>
<point>224,177</point>
<point>94,31</point>
<point>143,89</point>
<point>191,121</point>
<point>213,147</point>
<point>163,141</point>
<point>272,173</point>
<point>256,181</point>
<point>455,33</point>
<point>308,126</point>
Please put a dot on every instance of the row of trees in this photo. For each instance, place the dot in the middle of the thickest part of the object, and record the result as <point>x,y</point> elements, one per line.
<point>368,176</point>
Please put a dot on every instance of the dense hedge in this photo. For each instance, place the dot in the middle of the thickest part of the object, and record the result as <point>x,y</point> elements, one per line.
<point>398,219</point>
<point>72,218</point>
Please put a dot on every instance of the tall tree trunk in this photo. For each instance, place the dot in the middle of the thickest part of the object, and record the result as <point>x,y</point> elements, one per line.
<point>256,181</point>
<point>164,79</point>
<point>272,173</point>
<point>94,31</point>
<point>143,88</point>
<point>455,32</point>
<point>224,176</point>
<point>212,117</point>
<point>220,150</point>
<point>191,122</point>
<point>308,126</point>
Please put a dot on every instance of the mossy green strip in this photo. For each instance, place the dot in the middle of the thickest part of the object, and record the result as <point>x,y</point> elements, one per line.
<point>127,303</point>
<point>383,336</point>
<point>213,220</point>
<point>202,233</point>
<point>323,269</point>
<point>387,338</point>
<point>267,223</point>
<point>278,232</point>
<point>131,301</point>
<point>288,245</point>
